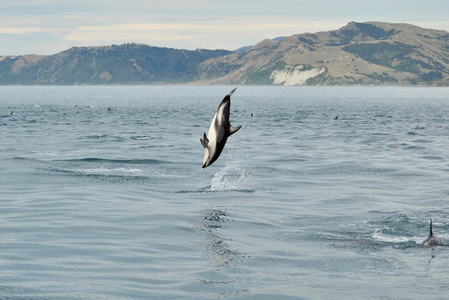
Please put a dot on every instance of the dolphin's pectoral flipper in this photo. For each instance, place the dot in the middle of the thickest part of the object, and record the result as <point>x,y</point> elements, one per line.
<point>233,129</point>
<point>204,141</point>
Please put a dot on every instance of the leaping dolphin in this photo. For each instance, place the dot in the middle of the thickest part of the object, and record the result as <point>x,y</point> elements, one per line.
<point>432,240</point>
<point>219,131</point>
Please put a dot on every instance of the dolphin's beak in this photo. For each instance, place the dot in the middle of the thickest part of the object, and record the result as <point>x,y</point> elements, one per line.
<point>206,163</point>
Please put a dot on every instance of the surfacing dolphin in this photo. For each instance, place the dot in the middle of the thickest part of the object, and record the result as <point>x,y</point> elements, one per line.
<point>432,240</point>
<point>219,131</point>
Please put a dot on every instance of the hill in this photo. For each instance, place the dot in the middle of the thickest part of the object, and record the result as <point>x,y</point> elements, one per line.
<point>116,64</point>
<point>358,53</point>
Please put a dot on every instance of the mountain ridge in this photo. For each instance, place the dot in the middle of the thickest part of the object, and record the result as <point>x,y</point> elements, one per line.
<point>117,64</point>
<point>369,53</point>
<point>358,53</point>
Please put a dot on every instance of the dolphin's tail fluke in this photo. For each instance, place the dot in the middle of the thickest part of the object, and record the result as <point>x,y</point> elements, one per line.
<point>231,92</point>
<point>228,96</point>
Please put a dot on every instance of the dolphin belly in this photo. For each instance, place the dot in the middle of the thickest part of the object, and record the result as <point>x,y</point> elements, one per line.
<point>211,144</point>
<point>216,140</point>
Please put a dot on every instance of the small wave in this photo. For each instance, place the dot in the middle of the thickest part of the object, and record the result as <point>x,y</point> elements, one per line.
<point>119,175</point>
<point>118,161</point>
<point>21,158</point>
<point>433,157</point>
<point>141,138</point>
<point>412,133</point>
<point>423,141</point>
<point>208,189</point>
<point>102,136</point>
<point>30,160</point>
<point>398,242</point>
<point>381,237</point>
<point>106,171</point>
<point>414,147</point>
<point>12,289</point>
<point>95,136</point>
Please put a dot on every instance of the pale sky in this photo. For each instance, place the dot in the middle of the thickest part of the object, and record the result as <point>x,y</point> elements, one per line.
<point>51,26</point>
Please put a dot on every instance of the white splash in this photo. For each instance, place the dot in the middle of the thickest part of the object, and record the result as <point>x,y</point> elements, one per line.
<point>379,236</point>
<point>229,178</point>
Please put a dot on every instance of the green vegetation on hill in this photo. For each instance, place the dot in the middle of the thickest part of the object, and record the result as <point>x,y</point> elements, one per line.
<point>383,53</point>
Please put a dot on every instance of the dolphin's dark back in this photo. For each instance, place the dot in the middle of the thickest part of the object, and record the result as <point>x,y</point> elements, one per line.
<point>226,105</point>
<point>432,240</point>
<point>226,102</point>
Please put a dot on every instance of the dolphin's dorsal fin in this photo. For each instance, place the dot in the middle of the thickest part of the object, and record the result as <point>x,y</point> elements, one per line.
<point>233,129</point>
<point>431,233</point>
<point>204,141</point>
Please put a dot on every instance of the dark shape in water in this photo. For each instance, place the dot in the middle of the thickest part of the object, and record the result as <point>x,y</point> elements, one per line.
<point>432,240</point>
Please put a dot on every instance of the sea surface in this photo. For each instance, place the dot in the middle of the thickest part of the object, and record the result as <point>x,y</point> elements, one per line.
<point>102,194</point>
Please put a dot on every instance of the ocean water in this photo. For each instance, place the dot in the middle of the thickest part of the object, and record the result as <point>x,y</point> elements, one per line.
<point>113,204</point>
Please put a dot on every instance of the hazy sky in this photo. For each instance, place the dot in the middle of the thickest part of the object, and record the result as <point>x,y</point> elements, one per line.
<point>51,26</point>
